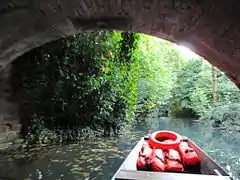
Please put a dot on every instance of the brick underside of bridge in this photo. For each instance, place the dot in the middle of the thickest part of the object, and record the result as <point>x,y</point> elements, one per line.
<point>211,28</point>
<point>10,126</point>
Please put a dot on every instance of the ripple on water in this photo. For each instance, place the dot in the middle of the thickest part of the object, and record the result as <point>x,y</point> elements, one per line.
<point>100,158</point>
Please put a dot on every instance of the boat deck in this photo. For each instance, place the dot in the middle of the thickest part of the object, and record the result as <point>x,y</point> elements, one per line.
<point>128,169</point>
<point>143,175</point>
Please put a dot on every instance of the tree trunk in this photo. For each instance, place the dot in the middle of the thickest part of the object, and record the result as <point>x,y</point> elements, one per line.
<point>214,85</point>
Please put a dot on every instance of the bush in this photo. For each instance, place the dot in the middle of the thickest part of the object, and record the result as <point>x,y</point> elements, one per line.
<point>224,115</point>
<point>84,85</point>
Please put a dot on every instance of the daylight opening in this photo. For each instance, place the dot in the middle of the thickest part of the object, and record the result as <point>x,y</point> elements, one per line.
<point>121,84</point>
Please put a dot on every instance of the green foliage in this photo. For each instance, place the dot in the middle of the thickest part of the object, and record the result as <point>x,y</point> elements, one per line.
<point>85,81</point>
<point>227,90</point>
<point>95,82</point>
<point>224,115</point>
<point>192,90</point>
<point>226,112</point>
<point>158,62</point>
<point>193,94</point>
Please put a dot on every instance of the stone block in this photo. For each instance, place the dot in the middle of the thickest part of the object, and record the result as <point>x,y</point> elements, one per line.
<point>4,146</point>
<point>3,138</point>
<point>19,141</point>
<point>12,136</point>
<point>16,127</point>
<point>4,129</point>
<point>10,120</point>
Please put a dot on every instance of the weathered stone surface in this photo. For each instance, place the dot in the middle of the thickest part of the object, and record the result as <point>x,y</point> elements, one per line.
<point>210,27</point>
<point>10,140</point>
<point>10,126</point>
<point>8,109</point>
<point>4,146</point>
<point>19,141</point>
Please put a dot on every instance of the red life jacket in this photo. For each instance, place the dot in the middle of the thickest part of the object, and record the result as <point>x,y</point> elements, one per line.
<point>173,161</point>
<point>157,160</point>
<point>143,157</point>
<point>189,156</point>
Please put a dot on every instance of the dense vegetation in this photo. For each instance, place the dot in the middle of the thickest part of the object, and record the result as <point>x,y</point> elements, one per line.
<point>83,85</point>
<point>95,83</point>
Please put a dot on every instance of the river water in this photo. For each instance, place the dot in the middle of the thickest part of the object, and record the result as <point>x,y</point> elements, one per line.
<point>100,158</point>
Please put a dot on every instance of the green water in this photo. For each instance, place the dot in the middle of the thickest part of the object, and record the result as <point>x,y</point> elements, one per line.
<point>100,158</point>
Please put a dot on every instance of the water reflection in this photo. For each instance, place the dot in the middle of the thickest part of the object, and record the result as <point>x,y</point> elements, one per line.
<point>100,158</point>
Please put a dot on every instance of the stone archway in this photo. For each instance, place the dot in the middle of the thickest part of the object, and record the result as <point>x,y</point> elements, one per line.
<point>210,26</point>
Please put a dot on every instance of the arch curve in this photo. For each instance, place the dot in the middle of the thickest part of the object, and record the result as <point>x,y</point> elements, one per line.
<point>211,27</point>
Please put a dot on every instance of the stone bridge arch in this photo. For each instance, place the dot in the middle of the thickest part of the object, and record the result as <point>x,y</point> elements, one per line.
<point>210,26</point>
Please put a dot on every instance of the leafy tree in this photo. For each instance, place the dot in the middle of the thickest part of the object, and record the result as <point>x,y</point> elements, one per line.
<point>158,62</point>
<point>95,82</point>
<point>195,93</point>
<point>188,93</point>
<point>86,81</point>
